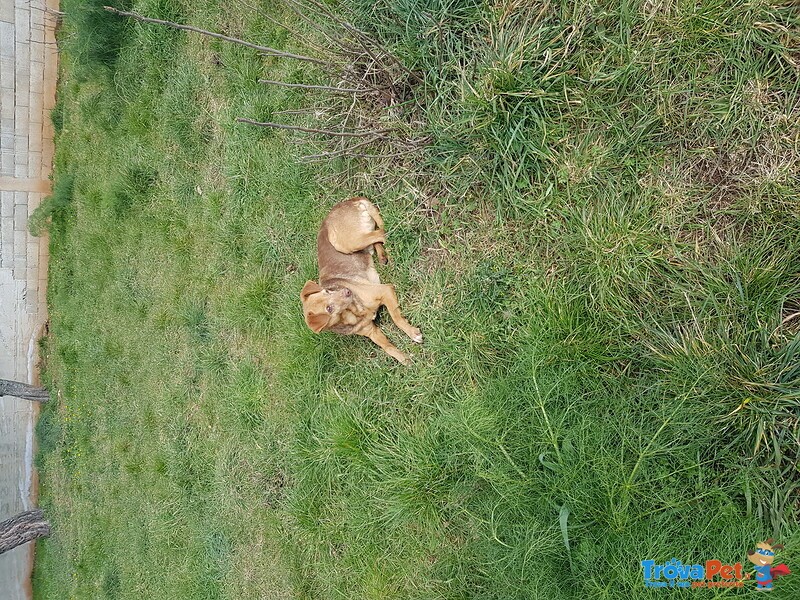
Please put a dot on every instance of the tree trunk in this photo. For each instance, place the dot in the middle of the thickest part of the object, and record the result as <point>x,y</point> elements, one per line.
<point>23,528</point>
<point>23,390</point>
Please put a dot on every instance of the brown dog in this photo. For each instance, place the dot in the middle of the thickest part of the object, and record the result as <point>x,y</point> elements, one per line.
<point>350,292</point>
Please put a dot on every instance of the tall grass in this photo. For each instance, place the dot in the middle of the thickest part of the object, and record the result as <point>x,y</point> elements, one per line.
<point>600,245</point>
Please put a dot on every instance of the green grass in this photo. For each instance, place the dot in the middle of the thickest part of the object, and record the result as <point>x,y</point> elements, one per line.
<point>601,246</point>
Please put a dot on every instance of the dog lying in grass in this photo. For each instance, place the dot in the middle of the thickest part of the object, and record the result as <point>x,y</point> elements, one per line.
<point>349,292</point>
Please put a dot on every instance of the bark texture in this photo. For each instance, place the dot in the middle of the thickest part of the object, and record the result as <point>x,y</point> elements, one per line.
<point>22,528</point>
<point>23,390</point>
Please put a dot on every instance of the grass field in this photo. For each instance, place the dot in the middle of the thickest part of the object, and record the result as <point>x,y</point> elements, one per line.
<point>601,244</point>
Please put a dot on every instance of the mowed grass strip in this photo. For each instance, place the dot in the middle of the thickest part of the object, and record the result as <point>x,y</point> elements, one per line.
<point>163,462</point>
<point>601,246</point>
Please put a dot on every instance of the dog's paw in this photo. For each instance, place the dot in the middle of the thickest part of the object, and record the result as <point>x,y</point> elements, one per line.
<point>416,335</point>
<point>403,359</point>
<point>384,259</point>
<point>398,356</point>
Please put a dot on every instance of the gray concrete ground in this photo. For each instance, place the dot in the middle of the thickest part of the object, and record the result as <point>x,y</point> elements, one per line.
<point>28,73</point>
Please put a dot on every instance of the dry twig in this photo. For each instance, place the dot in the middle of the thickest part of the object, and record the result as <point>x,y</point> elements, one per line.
<point>265,49</point>
<point>349,134</point>
<point>326,88</point>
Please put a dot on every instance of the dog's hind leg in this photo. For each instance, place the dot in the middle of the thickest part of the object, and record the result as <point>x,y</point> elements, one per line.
<point>373,212</point>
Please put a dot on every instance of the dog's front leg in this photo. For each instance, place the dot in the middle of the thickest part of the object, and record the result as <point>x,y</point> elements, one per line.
<point>377,336</point>
<point>388,297</point>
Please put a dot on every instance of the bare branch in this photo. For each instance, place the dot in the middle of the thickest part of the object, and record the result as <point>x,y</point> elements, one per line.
<point>274,21</point>
<point>265,49</point>
<point>335,18</point>
<point>327,88</point>
<point>312,130</point>
<point>340,152</point>
<point>300,111</point>
<point>296,8</point>
<point>392,155</point>
<point>348,152</point>
<point>363,38</point>
<point>416,143</point>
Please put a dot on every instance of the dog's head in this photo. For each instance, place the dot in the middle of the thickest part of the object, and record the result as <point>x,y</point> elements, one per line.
<point>322,308</point>
<point>764,554</point>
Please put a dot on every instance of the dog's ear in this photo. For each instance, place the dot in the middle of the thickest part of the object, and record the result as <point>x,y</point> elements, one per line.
<point>316,321</point>
<point>311,287</point>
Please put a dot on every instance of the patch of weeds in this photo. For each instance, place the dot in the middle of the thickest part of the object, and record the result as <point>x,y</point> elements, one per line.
<point>98,39</point>
<point>48,433</point>
<point>195,318</point>
<point>53,210</point>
